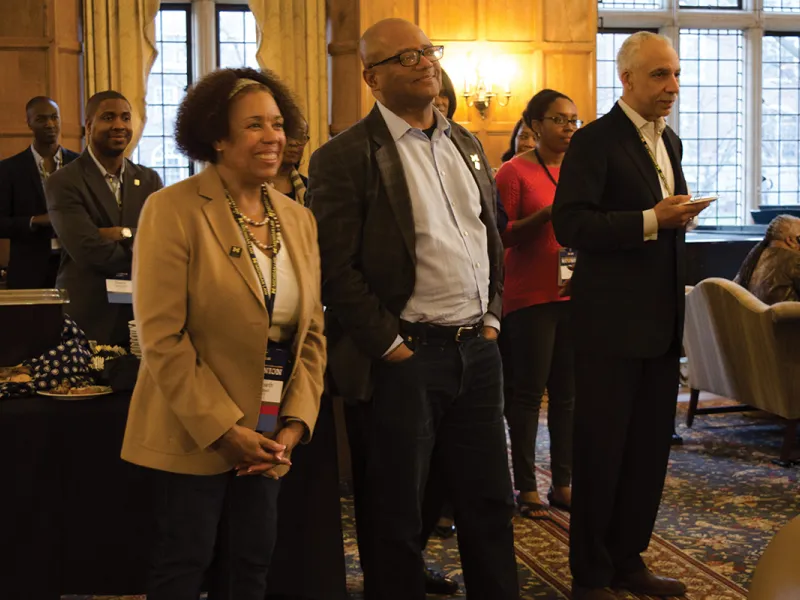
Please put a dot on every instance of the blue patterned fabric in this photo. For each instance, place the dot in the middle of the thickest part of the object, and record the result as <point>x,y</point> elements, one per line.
<point>69,361</point>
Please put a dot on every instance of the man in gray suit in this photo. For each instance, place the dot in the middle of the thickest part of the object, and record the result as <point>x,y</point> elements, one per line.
<point>94,204</point>
<point>412,281</point>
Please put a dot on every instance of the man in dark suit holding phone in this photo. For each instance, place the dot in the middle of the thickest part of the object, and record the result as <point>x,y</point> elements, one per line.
<point>94,204</point>
<point>623,204</point>
<point>34,257</point>
<point>412,281</point>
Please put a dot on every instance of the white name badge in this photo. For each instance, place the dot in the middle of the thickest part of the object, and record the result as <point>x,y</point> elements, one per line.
<point>55,244</point>
<point>120,291</point>
<point>271,390</point>
<point>119,286</point>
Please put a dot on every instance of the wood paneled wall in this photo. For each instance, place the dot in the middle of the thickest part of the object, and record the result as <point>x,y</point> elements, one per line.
<point>40,55</point>
<point>551,43</point>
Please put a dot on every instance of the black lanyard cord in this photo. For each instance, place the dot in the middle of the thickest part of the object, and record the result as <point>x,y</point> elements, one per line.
<point>544,166</point>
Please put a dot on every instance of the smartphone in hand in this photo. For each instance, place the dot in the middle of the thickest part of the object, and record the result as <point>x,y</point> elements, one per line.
<point>707,199</point>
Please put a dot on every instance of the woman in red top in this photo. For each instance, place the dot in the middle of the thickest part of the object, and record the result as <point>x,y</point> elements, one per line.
<point>535,309</point>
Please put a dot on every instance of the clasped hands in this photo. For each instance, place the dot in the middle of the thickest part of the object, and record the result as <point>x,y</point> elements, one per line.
<point>254,454</point>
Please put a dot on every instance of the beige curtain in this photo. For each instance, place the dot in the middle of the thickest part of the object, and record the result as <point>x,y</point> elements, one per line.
<point>292,43</point>
<point>120,48</point>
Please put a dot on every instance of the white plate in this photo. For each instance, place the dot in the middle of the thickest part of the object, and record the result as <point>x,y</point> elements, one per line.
<point>76,396</point>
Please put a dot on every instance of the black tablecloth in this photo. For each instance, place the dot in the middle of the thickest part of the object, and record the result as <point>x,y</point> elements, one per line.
<point>75,518</point>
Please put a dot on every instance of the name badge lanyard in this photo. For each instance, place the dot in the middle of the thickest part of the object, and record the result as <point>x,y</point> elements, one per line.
<point>276,359</point>
<point>544,166</point>
<point>655,162</point>
<point>555,183</point>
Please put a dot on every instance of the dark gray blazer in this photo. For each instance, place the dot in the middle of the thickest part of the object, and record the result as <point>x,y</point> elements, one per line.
<point>22,197</point>
<point>80,202</point>
<point>627,294</point>
<point>359,195</point>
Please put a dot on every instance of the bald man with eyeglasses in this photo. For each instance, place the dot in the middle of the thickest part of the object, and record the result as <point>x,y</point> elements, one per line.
<point>412,279</point>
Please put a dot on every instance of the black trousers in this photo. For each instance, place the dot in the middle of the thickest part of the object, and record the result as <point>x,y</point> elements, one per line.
<point>436,417</point>
<point>540,351</point>
<point>222,524</point>
<point>308,561</point>
<point>624,414</point>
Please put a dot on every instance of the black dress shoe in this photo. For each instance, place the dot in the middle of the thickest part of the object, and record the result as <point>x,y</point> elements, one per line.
<point>444,532</point>
<point>582,593</point>
<point>437,583</point>
<point>646,582</point>
<point>676,439</point>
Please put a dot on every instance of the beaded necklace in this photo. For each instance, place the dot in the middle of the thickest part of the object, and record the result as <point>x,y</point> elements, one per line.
<point>272,248</point>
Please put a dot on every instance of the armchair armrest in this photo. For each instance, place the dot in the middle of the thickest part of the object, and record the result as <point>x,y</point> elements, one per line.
<point>785,311</point>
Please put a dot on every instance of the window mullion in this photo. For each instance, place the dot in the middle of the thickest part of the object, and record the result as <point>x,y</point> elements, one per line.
<point>651,19</point>
<point>706,19</point>
<point>789,23</point>
<point>753,101</point>
<point>204,53</point>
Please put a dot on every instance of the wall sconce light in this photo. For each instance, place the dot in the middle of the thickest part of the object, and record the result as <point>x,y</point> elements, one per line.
<point>478,87</point>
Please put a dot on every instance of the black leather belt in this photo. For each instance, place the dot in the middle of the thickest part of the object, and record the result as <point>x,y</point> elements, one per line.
<point>426,333</point>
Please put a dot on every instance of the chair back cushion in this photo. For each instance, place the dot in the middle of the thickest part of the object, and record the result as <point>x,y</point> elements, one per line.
<point>742,349</point>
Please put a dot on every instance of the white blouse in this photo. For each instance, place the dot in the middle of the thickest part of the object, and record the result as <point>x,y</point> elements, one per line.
<point>286,311</point>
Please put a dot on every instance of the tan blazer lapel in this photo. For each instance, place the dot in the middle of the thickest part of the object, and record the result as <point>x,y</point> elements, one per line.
<point>289,229</point>
<point>226,230</point>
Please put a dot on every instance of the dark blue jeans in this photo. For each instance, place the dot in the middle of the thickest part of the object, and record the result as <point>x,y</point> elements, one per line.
<point>220,524</point>
<point>439,413</point>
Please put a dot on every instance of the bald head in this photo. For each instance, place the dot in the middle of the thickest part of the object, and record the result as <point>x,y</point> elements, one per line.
<point>401,84</point>
<point>379,40</point>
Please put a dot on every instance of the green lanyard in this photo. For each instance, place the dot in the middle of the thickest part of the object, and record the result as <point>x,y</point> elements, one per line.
<point>654,161</point>
<point>275,236</point>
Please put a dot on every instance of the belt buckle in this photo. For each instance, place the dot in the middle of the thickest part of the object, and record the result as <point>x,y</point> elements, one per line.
<point>461,330</point>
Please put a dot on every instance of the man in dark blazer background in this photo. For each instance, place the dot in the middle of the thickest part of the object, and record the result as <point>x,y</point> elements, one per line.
<point>622,204</point>
<point>34,257</point>
<point>412,282</point>
<point>94,205</point>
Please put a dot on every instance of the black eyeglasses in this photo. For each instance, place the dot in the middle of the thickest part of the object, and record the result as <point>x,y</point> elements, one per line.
<point>411,58</point>
<point>561,121</point>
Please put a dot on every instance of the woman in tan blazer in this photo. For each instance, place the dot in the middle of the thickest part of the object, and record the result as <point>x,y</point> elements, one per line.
<point>227,305</point>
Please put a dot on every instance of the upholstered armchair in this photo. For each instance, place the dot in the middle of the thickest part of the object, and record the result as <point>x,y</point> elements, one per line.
<point>742,349</point>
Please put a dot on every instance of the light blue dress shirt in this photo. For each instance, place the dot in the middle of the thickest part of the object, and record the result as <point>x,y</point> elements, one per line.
<point>452,269</point>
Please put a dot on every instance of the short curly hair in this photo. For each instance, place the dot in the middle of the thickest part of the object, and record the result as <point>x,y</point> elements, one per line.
<point>203,114</point>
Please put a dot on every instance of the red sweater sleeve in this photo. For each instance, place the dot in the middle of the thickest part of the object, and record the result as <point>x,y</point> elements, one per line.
<point>508,188</point>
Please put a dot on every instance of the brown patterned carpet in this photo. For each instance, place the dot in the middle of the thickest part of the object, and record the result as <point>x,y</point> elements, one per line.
<point>723,502</point>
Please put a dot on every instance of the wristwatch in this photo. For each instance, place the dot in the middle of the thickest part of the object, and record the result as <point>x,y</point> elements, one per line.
<point>126,233</point>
